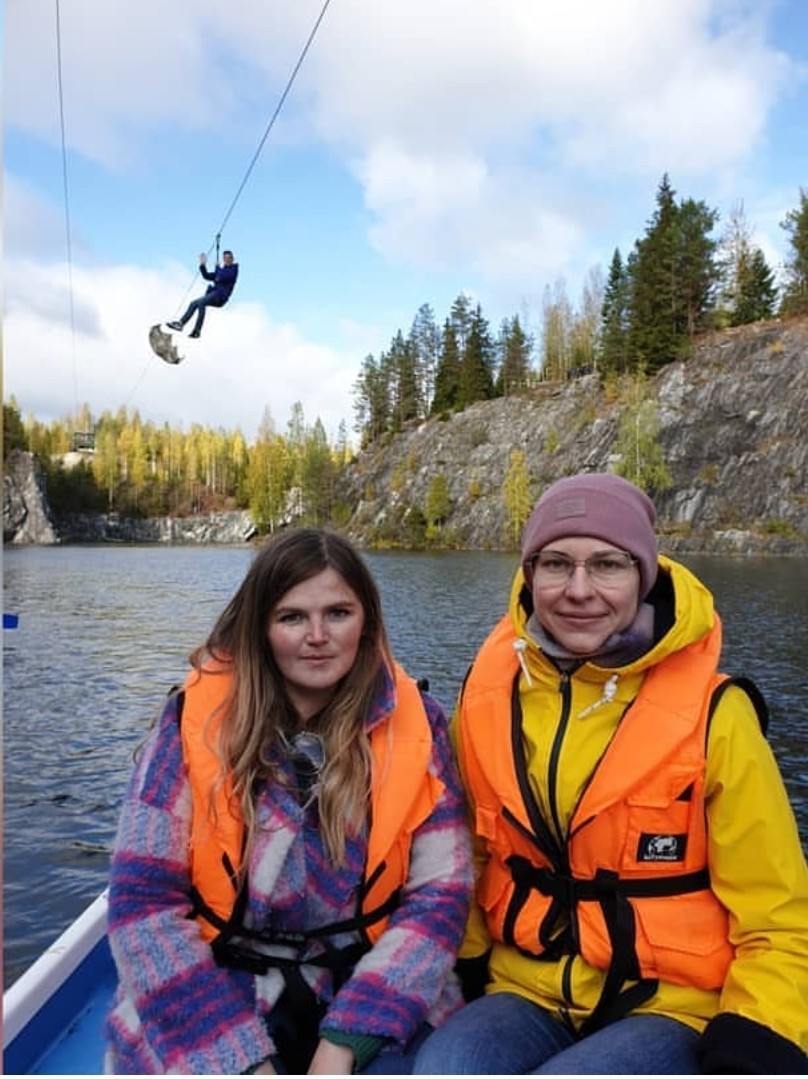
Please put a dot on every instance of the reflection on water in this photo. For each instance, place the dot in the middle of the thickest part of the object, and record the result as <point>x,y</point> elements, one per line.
<point>104,633</point>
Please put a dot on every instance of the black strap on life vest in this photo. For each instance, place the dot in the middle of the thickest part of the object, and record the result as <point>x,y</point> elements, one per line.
<point>255,951</point>
<point>616,1001</point>
<point>752,692</point>
<point>624,988</point>
<point>244,948</point>
<point>612,894</point>
<point>232,946</point>
<point>617,998</point>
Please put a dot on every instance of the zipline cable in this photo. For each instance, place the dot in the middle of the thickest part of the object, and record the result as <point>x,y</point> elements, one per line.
<point>260,147</point>
<point>65,188</point>
<point>274,117</point>
<point>231,208</point>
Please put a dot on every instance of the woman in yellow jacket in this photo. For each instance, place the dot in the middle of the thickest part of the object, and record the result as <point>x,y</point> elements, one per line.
<point>642,898</point>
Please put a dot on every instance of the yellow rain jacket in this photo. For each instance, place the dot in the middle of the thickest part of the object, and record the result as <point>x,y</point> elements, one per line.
<point>636,848</point>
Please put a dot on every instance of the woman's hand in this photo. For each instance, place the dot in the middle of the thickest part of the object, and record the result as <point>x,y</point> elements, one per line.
<point>330,1059</point>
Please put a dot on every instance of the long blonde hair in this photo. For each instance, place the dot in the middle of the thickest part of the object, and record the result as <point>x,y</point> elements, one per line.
<point>258,707</point>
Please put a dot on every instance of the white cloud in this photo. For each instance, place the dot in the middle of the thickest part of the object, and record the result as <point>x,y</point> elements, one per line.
<point>123,72</point>
<point>615,84</point>
<point>242,363</point>
<point>500,144</point>
<point>582,92</point>
<point>507,225</point>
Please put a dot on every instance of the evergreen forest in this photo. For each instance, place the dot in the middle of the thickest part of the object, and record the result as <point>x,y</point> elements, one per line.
<point>684,276</point>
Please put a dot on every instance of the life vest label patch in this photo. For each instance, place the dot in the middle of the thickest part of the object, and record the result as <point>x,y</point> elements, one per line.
<point>654,847</point>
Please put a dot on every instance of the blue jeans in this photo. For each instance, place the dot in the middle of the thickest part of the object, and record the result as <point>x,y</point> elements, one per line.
<point>294,1059</point>
<point>506,1034</point>
<point>395,1061</point>
<point>199,306</point>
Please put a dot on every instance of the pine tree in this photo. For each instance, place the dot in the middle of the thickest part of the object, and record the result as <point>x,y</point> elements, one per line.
<point>696,269</point>
<point>613,354</point>
<point>514,347</point>
<point>296,427</point>
<point>372,401</point>
<point>14,437</point>
<point>461,317</point>
<point>795,290</point>
<point>477,363</point>
<point>425,341</point>
<point>316,476</point>
<point>654,332</point>
<point>749,289</point>
<point>361,399</point>
<point>342,448</point>
<point>735,257</point>
<point>757,292</point>
<point>403,378</point>
<point>674,275</point>
<point>447,377</point>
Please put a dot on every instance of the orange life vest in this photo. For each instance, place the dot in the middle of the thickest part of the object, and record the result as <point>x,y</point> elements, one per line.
<point>403,794</point>
<point>631,877</point>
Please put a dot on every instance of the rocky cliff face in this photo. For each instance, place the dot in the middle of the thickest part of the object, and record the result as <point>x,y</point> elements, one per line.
<point>733,432</point>
<point>26,516</point>
<point>232,527</point>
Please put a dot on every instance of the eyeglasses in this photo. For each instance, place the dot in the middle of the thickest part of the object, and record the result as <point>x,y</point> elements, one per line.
<point>608,568</point>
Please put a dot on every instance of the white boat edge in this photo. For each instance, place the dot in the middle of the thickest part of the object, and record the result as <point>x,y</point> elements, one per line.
<point>25,997</point>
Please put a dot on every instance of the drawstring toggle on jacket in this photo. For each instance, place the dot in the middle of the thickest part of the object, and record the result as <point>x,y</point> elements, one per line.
<point>519,646</point>
<point>608,695</point>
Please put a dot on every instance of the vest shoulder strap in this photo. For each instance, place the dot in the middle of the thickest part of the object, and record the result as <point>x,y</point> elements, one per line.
<point>752,692</point>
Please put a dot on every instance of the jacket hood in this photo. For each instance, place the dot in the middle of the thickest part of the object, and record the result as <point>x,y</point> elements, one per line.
<point>683,612</point>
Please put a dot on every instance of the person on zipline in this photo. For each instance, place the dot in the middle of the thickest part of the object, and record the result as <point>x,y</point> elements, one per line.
<point>216,295</point>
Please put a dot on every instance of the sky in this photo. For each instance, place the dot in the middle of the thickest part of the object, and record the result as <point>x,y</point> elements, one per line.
<point>425,148</point>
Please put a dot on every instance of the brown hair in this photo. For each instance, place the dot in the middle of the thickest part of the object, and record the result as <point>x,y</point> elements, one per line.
<point>258,706</point>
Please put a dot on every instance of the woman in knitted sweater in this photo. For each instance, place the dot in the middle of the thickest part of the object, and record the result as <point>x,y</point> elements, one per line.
<point>291,876</point>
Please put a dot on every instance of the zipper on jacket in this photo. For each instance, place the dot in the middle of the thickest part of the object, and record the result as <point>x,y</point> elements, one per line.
<point>566,974</point>
<point>555,753</point>
<point>543,834</point>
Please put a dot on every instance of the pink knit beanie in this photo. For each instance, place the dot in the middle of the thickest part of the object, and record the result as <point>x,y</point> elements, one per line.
<point>600,505</point>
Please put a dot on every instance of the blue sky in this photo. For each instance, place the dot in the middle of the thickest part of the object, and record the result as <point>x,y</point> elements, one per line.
<point>427,147</point>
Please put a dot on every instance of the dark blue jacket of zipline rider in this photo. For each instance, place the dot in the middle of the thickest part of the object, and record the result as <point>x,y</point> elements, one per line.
<point>217,294</point>
<point>224,280</point>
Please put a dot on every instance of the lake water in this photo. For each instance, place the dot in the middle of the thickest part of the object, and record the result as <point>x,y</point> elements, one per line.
<point>104,633</point>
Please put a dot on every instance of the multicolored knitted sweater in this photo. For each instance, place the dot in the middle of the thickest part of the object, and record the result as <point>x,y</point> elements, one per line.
<point>176,1011</point>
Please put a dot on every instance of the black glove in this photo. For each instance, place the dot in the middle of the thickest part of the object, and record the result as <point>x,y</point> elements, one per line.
<point>473,975</point>
<point>731,1043</point>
